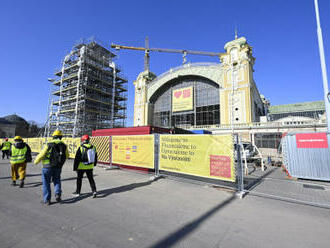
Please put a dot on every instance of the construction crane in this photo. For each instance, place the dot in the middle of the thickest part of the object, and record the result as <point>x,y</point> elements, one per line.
<point>147,50</point>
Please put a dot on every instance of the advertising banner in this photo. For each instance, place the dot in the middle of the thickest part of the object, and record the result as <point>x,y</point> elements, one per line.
<point>182,99</point>
<point>37,144</point>
<point>209,156</point>
<point>312,140</point>
<point>72,144</point>
<point>134,150</point>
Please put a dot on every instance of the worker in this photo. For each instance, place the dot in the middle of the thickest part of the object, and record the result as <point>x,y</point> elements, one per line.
<point>53,157</point>
<point>20,154</point>
<point>84,162</point>
<point>5,147</point>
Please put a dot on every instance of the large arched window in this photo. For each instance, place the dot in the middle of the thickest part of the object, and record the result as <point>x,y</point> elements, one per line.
<point>201,107</point>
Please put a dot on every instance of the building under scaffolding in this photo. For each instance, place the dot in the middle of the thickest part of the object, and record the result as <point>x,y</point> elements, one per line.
<point>88,92</point>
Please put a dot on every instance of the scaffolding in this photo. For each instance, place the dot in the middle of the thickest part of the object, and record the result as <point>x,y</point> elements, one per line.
<point>88,92</point>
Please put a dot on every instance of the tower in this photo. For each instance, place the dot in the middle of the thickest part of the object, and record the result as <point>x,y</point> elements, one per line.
<point>141,106</point>
<point>240,100</point>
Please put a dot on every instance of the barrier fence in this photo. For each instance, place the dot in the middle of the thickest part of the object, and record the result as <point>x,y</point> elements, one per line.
<point>212,159</point>
<point>203,157</point>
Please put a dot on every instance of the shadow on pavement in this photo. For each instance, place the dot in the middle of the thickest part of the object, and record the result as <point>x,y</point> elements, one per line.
<point>106,192</point>
<point>68,179</point>
<point>32,185</point>
<point>28,175</point>
<point>252,183</point>
<point>36,184</point>
<point>179,234</point>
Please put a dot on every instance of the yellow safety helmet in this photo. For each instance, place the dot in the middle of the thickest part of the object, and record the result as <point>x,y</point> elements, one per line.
<point>18,138</point>
<point>57,133</point>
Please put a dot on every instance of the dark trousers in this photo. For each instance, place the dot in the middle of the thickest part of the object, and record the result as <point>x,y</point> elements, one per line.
<point>80,174</point>
<point>5,152</point>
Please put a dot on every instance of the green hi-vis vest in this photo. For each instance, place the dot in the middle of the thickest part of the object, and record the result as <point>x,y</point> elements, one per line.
<point>83,166</point>
<point>6,146</point>
<point>18,155</point>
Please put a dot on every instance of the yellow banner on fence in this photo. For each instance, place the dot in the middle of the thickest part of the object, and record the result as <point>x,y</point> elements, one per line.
<point>134,150</point>
<point>72,144</point>
<point>208,156</point>
<point>182,99</point>
<point>37,144</point>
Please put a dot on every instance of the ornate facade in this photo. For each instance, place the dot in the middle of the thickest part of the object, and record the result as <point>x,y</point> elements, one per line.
<point>201,94</point>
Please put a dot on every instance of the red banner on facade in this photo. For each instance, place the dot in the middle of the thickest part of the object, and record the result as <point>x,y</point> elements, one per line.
<point>312,140</point>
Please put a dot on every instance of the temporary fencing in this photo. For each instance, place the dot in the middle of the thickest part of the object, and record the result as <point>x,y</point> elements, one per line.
<point>134,150</point>
<point>209,158</point>
<point>37,144</point>
<point>307,155</point>
<point>305,174</point>
<point>102,145</point>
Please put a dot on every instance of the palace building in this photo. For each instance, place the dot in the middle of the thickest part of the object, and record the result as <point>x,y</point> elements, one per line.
<point>202,94</point>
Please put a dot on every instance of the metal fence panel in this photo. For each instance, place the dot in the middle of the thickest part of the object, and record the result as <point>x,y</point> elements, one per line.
<point>308,163</point>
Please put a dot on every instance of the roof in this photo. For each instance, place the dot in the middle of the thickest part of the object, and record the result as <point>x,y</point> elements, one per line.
<point>4,121</point>
<point>297,107</point>
<point>240,41</point>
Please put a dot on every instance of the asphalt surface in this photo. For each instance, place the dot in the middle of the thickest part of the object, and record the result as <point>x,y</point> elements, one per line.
<point>132,211</point>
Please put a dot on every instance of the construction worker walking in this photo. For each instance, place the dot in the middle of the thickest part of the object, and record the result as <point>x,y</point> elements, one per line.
<point>84,162</point>
<point>5,147</point>
<point>53,157</point>
<point>20,154</point>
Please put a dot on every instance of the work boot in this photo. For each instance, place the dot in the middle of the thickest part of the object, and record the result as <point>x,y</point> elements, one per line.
<point>13,183</point>
<point>94,194</point>
<point>21,185</point>
<point>58,198</point>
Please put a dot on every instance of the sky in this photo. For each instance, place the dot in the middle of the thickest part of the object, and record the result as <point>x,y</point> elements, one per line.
<point>36,35</point>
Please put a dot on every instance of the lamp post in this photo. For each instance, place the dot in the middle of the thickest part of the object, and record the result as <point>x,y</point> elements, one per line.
<point>323,65</point>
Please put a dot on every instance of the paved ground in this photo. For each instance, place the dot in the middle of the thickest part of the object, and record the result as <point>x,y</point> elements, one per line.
<point>274,182</point>
<point>132,211</point>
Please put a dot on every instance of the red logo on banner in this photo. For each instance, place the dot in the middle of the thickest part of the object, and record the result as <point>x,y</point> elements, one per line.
<point>186,93</point>
<point>220,166</point>
<point>177,94</point>
<point>312,140</point>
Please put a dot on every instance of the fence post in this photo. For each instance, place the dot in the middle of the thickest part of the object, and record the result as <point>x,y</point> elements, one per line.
<point>156,156</point>
<point>110,151</point>
<point>110,156</point>
<point>240,171</point>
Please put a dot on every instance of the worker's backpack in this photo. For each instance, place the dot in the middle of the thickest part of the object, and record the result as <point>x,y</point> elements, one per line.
<point>57,154</point>
<point>88,155</point>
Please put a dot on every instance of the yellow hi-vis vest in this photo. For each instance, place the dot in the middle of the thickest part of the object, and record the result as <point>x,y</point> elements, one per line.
<point>47,157</point>
<point>83,166</point>
<point>6,146</point>
<point>18,155</point>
